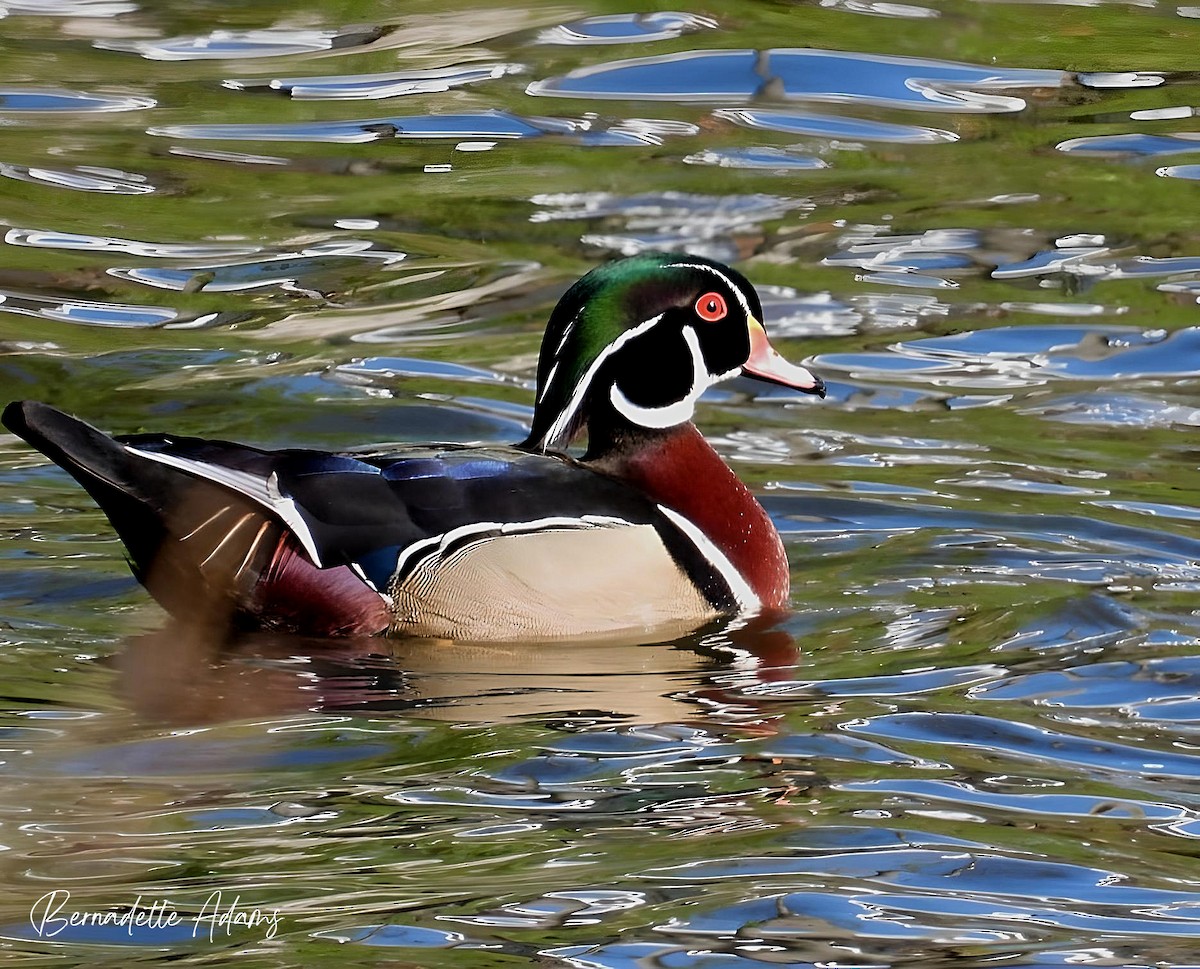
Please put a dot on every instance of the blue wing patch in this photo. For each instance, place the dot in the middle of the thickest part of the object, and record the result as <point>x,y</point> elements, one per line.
<point>411,469</point>
<point>312,464</point>
<point>379,565</point>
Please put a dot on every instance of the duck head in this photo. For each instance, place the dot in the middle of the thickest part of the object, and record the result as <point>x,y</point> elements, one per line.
<point>634,343</point>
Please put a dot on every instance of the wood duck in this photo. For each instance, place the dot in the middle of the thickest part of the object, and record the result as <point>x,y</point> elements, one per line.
<point>649,528</point>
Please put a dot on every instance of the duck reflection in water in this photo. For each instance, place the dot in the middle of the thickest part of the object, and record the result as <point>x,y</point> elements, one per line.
<point>189,673</point>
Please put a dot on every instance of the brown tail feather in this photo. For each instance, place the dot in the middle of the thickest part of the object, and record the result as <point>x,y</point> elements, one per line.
<point>204,552</point>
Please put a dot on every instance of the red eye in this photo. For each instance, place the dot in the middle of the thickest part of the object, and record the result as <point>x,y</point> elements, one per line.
<point>711,307</point>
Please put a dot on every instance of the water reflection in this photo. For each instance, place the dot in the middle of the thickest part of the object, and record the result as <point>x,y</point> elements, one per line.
<point>1180,171</point>
<point>1134,145</point>
<point>190,675</point>
<point>93,313</point>
<point>485,124</point>
<point>50,239</point>
<point>318,263</point>
<point>51,99</point>
<point>811,75</point>
<point>828,126</point>
<point>763,159</point>
<point>626,28</point>
<point>1028,356</point>
<point>81,178</point>
<point>883,8</point>
<point>708,225</point>
<point>69,8</point>
<point>359,87</point>
<point>226,44</point>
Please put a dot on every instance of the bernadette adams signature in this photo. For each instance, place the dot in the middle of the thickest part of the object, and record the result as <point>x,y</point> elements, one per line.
<point>219,917</point>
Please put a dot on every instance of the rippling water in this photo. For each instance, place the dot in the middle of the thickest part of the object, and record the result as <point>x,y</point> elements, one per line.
<point>973,742</point>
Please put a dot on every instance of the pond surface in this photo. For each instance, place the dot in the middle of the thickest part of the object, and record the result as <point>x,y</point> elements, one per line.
<point>976,739</point>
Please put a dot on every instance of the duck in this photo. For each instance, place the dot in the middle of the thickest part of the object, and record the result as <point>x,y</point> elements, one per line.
<point>647,528</point>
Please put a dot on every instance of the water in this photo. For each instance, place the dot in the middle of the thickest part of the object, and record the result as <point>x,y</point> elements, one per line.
<point>974,740</point>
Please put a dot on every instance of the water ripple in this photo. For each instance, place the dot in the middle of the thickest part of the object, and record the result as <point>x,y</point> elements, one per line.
<point>1049,261</point>
<point>977,877</point>
<point>393,934</point>
<point>880,920</point>
<point>68,8</point>
<point>652,955</point>
<point>20,100</point>
<point>919,792</point>
<point>831,126</point>
<point>94,313</point>
<point>361,87</point>
<point>791,314</point>
<point>1025,742</point>
<point>626,28</point>
<point>479,125</point>
<point>883,8</point>
<point>760,159</point>
<point>226,44</point>
<point>1135,144</point>
<point>50,239</point>
<point>82,178</point>
<point>485,124</point>
<point>904,684</point>
<point>811,75</point>
<point>384,371</point>
<point>1116,410</point>
<point>834,747</point>
<point>1119,79</point>
<point>285,269</point>
<point>1029,356</point>
<point>704,224</point>
<point>1153,689</point>
<point>1180,171</point>
<point>234,157</point>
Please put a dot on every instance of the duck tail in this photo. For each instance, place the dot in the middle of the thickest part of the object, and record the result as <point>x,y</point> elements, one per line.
<point>191,543</point>
<point>207,553</point>
<point>131,499</point>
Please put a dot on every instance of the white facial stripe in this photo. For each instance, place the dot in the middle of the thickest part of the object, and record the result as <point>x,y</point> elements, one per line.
<point>563,421</point>
<point>742,593</point>
<point>549,381</point>
<point>562,342</point>
<point>737,292</point>
<point>680,410</point>
<point>567,331</point>
<point>657,417</point>
<point>264,491</point>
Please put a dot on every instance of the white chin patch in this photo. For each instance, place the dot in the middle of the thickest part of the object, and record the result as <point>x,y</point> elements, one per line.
<point>669,416</point>
<point>676,412</point>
